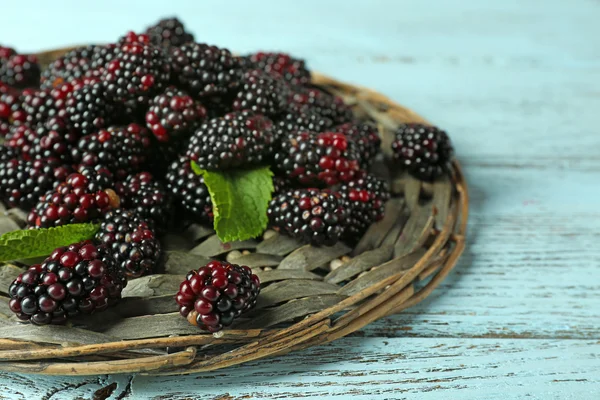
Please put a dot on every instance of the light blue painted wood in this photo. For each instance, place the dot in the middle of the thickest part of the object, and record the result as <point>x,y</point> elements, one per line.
<point>517,85</point>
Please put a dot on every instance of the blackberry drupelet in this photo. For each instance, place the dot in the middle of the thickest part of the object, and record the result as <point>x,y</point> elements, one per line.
<point>22,183</point>
<point>366,137</point>
<point>169,32</point>
<point>78,279</point>
<point>20,71</point>
<point>131,242</point>
<point>238,139</point>
<point>75,64</point>
<point>315,216</point>
<point>88,109</point>
<point>366,197</point>
<point>317,159</point>
<point>147,197</point>
<point>424,151</point>
<point>174,115</point>
<point>121,149</point>
<point>214,295</point>
<point>204,70</point>
<point>262,93</point>
<point>189,191</point>
<point>281,65</point>
<point>72,202</point>
<point>321,103</point>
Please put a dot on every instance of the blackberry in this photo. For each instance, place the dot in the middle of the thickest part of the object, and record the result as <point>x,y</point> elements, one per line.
<point>317,159</point>
<point>88,109</point>
<point>424,151</point>
<point>136,72</point>
<point>315,216</point>
<point>214,295</point>
<point>78,279</point>
<point>20,71</point>
<point>99,177</point>
<point>147,197</point>
<point>301,120</point>
<point>218,106</point>
<point>101,56</point>
<point>50,140</point>
<point>75,64</point>
<point>173,114</point>
<point>131,241</point>
<point>366,137</point>
<point>238,139</point>
<point>261,93</point>
<point>366,197</point>
<point>72,202</point>
<point>169,32</point>
<point>321,103</point>
<point>41,105</point>
<point>6,53</point>
<point>189,191</point>
<point>204,70</point>
<point>10,109</point>
<point>22,182</point>
<point>281,184</point>
<point>281,65</point>
<point>122,149</point>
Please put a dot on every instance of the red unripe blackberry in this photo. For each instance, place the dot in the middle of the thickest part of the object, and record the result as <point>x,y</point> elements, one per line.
<point>318,159</point>
<point>424,151</point>
<point>262,93</point>
<point>282,66</point>
<point>189,191</point>
<point>235,140</point>
<point>169,32</point>
<point>72,202</point>
<point>131,242</point>
<point>88,108</point>
<point>315,216</point>
<point>174,114</point>
<point>321,103</point>
<point>214,295</point>
<point>203,70</point>
<point>147,197</point>
<point>366,137</point>
<point>22,182</point>
<point>121,149</point>
<point>21,71</point>
<point>366,197</point>
<point>75,64</point>
<point>136,73</point>
<point>77,279</point>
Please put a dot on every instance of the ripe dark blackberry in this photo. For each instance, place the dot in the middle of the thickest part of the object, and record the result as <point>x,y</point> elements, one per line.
<point>50,140</point>
<point>22,183</point>
<point>189,191</point>
<point>147,197</point>
<point>204,70</point>
<point>261,93</point>
<point>281,184</point>
<point>72,202</point>
<point>366,197</point>
<point>41,105</point>
<point>6,53</point>
<point>315,216</point>
<point>173,114</point>
<point>238,139</point>
<point>317,159</point>
<point>424,151</point>
<point>88,109</point>
<point>73,65</point>
<point>169,32</point>
<point>136,73</point>
<point>78,279</point>
<point>321,103</point>
<point>281,65</point>
<point>131,241</point>
<point>121,149</point>
<point>99,177</point>
<point>366,137</point>
<point>101,56</point>
<point>20,71</point>
<point>214,295</point>
<point>10,109</point>
<point>301,120</point>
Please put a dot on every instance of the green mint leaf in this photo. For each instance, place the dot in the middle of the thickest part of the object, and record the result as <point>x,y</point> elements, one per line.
<point>240,199</point>
<point>32,243</point>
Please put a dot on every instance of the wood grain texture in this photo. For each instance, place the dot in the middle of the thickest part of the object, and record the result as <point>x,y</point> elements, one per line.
<point>517,86</point>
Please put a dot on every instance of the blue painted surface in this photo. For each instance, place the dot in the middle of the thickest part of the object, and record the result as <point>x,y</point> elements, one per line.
<point>517,85</point>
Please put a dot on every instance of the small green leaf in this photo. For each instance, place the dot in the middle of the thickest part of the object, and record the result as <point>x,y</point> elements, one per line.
<point>41,242</point>
<point>240,199</point>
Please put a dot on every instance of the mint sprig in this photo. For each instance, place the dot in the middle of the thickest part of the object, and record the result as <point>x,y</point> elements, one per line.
<point>31,243</point>
<point>240,199</point>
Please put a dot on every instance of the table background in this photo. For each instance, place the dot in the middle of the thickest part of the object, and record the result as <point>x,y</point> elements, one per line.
<point>517,85</point>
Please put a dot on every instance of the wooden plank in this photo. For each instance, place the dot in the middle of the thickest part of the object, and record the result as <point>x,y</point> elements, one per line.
<point>293,289</point>
<point>311,257</point>
<point>279,245</point>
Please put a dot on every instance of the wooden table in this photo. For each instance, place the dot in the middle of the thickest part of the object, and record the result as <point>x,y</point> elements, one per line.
<point>517,85</point>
